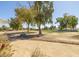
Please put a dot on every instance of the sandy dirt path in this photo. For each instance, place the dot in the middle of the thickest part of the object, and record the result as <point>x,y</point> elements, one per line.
<point>25,48</point>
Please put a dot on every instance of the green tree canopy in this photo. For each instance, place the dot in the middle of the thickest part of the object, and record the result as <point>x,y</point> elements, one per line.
<point>25,15</point>
<point>43,13</point>
<point>15,23</point>
<point>68,21</point>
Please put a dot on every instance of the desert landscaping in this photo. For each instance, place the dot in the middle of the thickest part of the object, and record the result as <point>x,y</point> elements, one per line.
<point>39,29</point>
<point>51,44</point>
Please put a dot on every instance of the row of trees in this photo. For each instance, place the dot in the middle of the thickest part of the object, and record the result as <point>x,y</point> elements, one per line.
<point>67,22</point>
<point>39,13</point>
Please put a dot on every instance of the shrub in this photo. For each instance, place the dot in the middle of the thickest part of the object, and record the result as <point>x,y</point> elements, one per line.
<point>5,47</point>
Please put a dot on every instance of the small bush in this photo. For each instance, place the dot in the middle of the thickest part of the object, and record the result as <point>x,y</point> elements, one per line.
<point>5,47</point>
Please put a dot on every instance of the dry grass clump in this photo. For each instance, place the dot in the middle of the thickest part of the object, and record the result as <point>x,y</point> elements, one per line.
<point>5,47</point>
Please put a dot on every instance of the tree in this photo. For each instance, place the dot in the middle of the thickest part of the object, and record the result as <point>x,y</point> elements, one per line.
<point>39,13</point>
<point>62,25</point>
<point>4,27</point>
<point>52,27</point>
<point>15,24</point>
<point>42,13</point>
<point>73,21</point>
<point>25,15</point>
<point>68,21</point>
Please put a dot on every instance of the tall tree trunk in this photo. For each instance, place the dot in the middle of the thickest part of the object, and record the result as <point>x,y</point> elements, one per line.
<point>73,28</point>
<point>40,32</point>
<point>28,29</point>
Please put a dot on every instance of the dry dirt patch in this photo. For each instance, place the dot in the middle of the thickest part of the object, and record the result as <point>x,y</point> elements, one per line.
<point>26,48</point>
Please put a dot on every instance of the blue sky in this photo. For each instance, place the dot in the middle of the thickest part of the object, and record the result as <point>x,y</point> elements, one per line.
<point>70,7</point>
<point>7,8</point>
<point>60,7</point>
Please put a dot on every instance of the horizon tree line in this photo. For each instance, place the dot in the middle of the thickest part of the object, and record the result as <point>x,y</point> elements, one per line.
<point>67,21</point>
<point>40,13</point>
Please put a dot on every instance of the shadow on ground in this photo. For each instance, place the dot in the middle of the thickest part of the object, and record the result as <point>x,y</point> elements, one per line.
<point>21,36</point>
<point>25,36</point>
<point>75,37</point>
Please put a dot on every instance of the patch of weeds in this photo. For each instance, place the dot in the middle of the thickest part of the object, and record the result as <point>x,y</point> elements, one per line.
<point>5,47</point>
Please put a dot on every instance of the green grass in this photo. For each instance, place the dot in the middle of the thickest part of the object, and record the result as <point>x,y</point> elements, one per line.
<point>49,31</point>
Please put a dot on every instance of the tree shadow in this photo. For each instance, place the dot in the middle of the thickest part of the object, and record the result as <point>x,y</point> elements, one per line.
<point>22,36</point>
<point>75,37</point>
